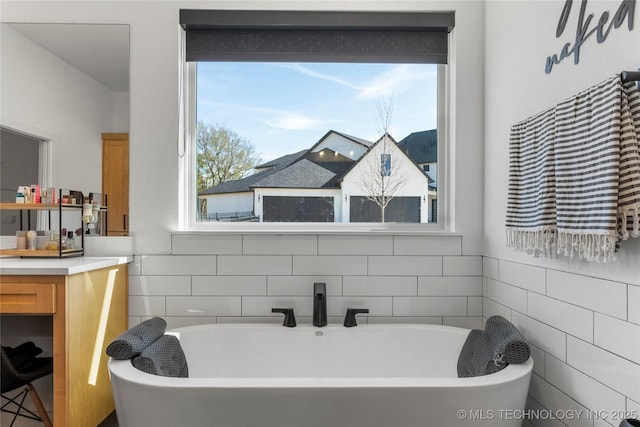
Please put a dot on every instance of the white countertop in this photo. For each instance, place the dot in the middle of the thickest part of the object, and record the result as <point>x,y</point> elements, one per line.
<point>58,266</point>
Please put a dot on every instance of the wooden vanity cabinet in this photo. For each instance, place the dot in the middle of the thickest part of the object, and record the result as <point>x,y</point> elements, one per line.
<point>89,310</point>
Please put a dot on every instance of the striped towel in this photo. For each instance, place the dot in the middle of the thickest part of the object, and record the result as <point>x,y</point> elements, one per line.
<point>531,206</point>
<point>574,185</point>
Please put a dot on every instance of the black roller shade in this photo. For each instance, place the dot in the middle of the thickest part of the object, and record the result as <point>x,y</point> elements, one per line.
<point>298,36</point>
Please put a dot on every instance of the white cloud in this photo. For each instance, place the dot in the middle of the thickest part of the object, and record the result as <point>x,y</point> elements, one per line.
<point>309,72</point>
<point>287,120</point>
<point>292,121</point>
<point>397,80</point>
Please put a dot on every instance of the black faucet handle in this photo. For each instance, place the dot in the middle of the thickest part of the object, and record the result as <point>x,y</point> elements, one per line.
<point>350,318</point>
<point>289,317</point>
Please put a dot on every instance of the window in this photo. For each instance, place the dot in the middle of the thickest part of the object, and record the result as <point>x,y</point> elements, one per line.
<point>293,117</point>
<point>385,164</point>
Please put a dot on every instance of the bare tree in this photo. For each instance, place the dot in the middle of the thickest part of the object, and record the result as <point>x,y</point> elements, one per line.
<point>382,177</point>
<point>384,108</point>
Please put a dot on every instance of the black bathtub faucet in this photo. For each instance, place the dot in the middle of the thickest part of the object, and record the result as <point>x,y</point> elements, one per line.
<point>350,317</point>
<point>289,318</point>
<point>320,304</point>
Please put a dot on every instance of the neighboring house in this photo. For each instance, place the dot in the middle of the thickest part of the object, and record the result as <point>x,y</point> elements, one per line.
<point>321,184</point>
<point>236,198</point>
<point>422,148</point>
<point>411,199</point>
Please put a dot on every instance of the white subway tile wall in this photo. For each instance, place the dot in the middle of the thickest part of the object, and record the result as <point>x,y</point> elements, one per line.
<point>632,305</point>
<point>572,319</point>
<point>532,405</point>
<point>584,331</point>
<point>585,337</point>
<point>433,245</point>
<point>258,244</point>
<point>347,245</point>
<point>216,277</point>
<point>602,296</point>
<point>581,387</point>
<point>549,398</point>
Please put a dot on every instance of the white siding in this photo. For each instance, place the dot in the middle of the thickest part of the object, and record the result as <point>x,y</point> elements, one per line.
<point>232,202</point>
<point>416,182</point>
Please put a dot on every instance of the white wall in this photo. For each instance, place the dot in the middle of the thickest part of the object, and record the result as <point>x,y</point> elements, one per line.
<point>154,100</point>
<point>581,317</point>
<point>120,112</point>
<point>517,87</point>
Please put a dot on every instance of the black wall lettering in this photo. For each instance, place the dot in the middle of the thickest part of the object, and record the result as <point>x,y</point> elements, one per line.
<point>564,16</point>
<point>626,10</point>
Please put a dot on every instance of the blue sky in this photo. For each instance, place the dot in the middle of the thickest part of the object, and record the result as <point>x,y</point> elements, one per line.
<point>286,107</point>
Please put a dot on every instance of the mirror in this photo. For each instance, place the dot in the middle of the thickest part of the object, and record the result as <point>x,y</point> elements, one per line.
<point>63,85</point>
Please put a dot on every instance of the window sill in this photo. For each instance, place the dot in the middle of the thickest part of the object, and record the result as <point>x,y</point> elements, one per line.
<point>297,228</point>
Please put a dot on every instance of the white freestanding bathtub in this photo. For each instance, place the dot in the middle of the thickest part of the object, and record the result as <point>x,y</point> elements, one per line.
<point>267,375</point>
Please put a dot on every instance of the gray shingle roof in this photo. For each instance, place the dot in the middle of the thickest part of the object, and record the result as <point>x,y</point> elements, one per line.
<point>283,161</point>
<point>421,147</point>
<point>245,184</point>
<point>301,174</point>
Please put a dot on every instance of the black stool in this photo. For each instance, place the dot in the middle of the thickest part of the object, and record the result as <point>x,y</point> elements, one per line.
<point>20,367</point>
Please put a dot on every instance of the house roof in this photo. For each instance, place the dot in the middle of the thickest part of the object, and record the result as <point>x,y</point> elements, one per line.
<point>392,140</point>
<point>364,142</point>
<point>355,139</point>
<point>301,174</point>
<point>245,184</point>
<point>285,160</point>
<point>306,169</point>
<point>421,147</point>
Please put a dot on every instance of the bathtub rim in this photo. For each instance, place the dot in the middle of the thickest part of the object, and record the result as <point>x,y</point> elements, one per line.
<point>124,370</point>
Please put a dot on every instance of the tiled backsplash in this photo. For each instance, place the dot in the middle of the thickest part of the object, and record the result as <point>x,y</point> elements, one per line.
<point>211,278</point>
<point>585,333</point>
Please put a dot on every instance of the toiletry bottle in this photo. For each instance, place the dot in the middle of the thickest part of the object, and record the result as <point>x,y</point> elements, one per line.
<point>20,195</point>
<point>70,241</point>
<point>52,243</point>
<point>21,239</point>
<point>32,240</point>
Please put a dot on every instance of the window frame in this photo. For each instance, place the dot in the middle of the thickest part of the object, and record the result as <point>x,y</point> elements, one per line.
<point>187,210</point>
